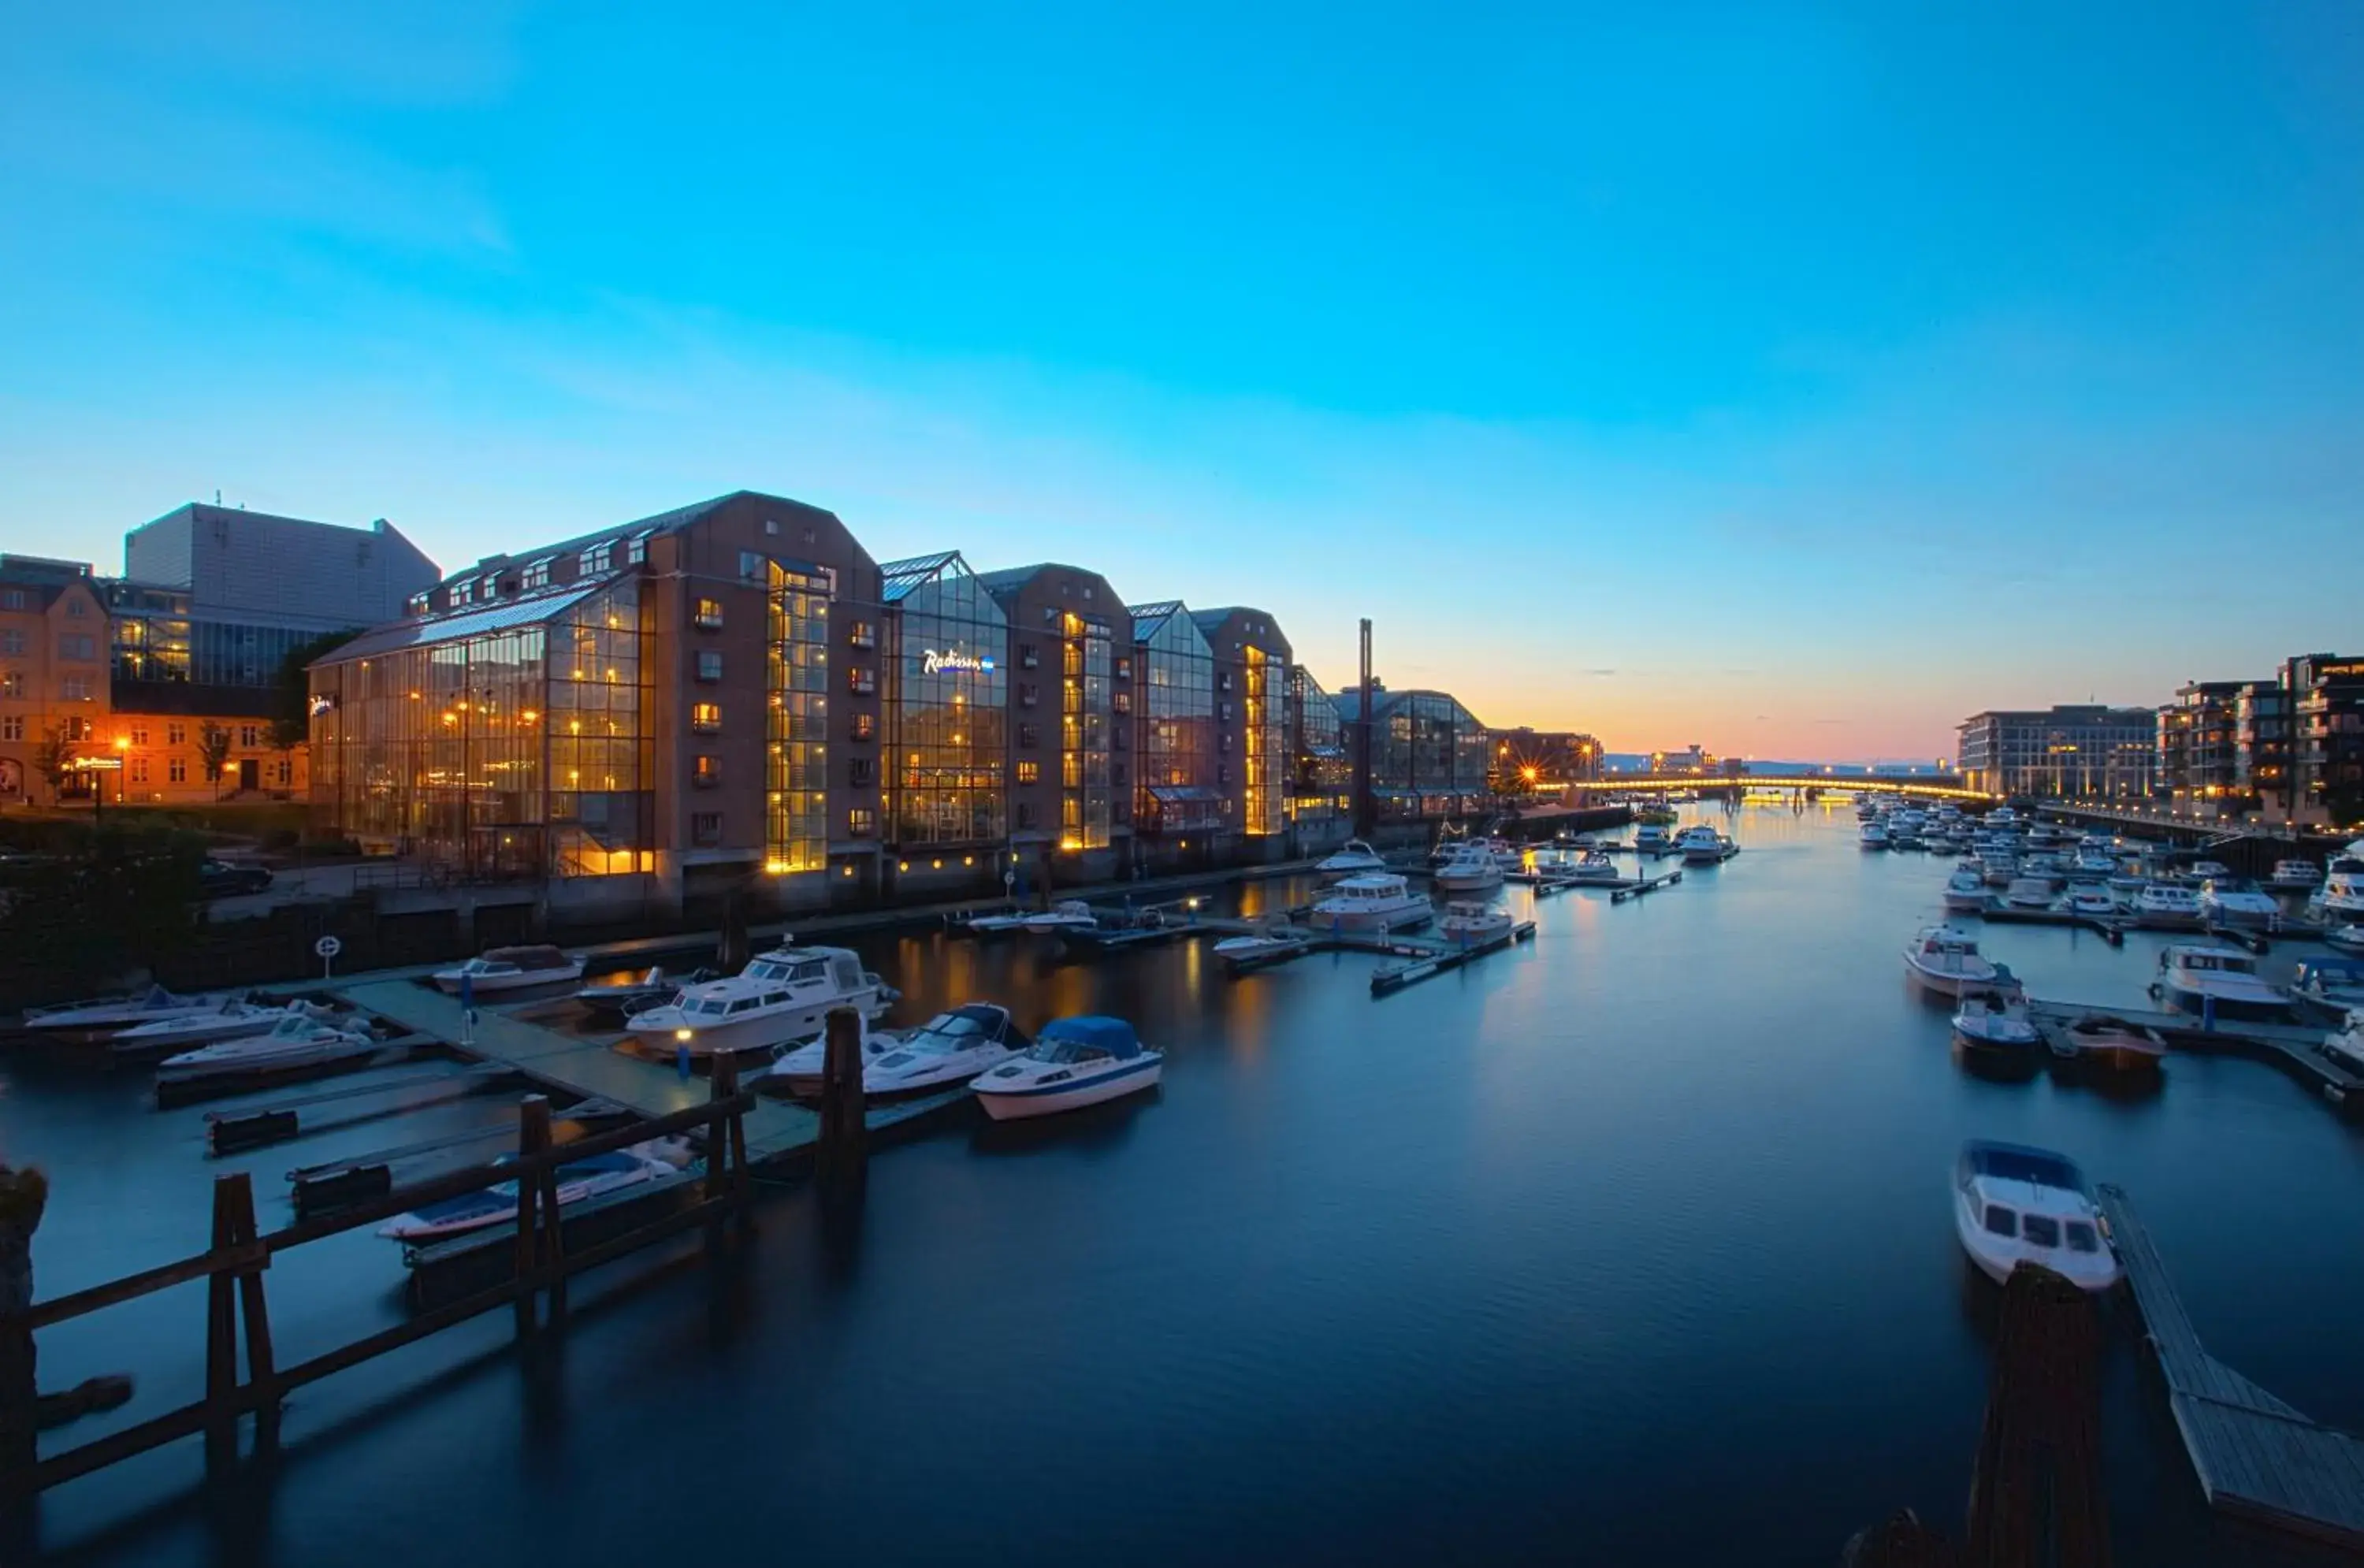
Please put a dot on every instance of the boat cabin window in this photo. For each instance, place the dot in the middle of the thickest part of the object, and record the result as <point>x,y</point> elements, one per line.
<point>709,1009</point>
<point>2081,1238</point>
<point>2001,1221</point>
<point>846,972</point>
<point>2040,1230</point>
<point>811,973</point>
<point>774,999</point>
<point>762,970</point>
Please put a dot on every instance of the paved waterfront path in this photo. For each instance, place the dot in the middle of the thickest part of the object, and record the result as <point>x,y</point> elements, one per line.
<point>2256,1457</point>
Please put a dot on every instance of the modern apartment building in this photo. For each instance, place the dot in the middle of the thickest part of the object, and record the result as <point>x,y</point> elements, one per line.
<point>2196,740</point>
<point>1071,706</point>
<point>2325,696</point>
<point>1252,751</point>
<point>2082,751</point>
<point>1321,785</point>
<point>681,706</point>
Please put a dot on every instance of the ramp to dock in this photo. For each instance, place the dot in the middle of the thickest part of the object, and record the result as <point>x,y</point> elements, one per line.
<point>2257,1458</point>
<point>592,1069</point>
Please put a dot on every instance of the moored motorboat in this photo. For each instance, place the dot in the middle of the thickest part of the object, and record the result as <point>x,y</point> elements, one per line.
<point>1068,915</point>
<point>2167,903</point>
<point>1471,923</point>
<point>1273,938</point>
<point>2091,899</point>
<point>1473,870</point>
<point>2340,899</point>
<point>1946,960</point>
<point>2236,901</point>
<point>2015,1205</point>
<point>1872,835</point>
<point>1998,1028</point>
<point>1375,901</point>
<point>2207,871</point>
<point>2347,1047</point>
<point>1590,866</point>
<point>619,996</point>
<point>1965,891</point>
<point>296,1041</point>
<point>2111,1041</point>
<point>2346,939</point>
<point>576,1180</point>
<point>2200,977</point>
<point>2330,981</point>
<point>1073,1062</point>
<point>1354,857</point>
<point>107,1014</point>
<point>997,922</point>
<point>2028,892</point>
<point>1652,838</point>
<point>2298,875</point>
<point>231,1020</point>
<point>1702,845</point>
<point>782,997</point>
<point>950,1048</point>
<point>512,969</point>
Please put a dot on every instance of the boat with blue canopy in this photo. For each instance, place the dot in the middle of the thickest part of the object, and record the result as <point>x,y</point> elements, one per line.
<point>1073,1062</point>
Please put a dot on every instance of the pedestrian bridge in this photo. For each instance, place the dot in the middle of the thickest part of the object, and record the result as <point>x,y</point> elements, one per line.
<point>1938,787</point>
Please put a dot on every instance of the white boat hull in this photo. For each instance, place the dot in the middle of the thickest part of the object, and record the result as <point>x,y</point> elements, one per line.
<point>524,980</point>
<point>1115,1085</point>
<point>760,1031</point>
<point>234,1059</point>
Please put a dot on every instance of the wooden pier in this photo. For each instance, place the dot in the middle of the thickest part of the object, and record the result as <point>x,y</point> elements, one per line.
<point>2111,930</point>
<point>1645,886</point>
<point>1446,956</point>
<point>2256,1458</point>
<point>2295,1048</point>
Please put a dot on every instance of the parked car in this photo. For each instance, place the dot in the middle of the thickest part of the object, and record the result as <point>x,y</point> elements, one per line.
<point>224,879</point>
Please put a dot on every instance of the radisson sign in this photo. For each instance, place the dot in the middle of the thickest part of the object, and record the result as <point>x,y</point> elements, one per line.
<point>955,662</point>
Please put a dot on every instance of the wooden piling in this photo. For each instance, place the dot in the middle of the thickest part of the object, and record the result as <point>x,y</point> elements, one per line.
<point>23,1196</point>
<point>221,1338</point>
<point>533,1138</point>
<point>842,1159</point>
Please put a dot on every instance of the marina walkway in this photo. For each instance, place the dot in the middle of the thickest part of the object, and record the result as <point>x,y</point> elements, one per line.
<point>591,1068</point>
<point>2256,1458</point>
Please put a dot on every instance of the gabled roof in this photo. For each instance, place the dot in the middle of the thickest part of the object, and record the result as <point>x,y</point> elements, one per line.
<point>662,523</point>
<point>898,578</point>
<point>1146,618</point>
<point>1010,578</point>
<point>529,609</point>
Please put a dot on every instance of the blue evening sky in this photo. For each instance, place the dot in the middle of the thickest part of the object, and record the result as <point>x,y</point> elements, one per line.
<point>1794,380</point>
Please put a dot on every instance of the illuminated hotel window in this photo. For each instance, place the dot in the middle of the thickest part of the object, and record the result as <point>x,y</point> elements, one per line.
<point>706,771</point>
<point>708,615</point>
<point>1030,772</point>
<point>947,643</point>
<point>706,718</point>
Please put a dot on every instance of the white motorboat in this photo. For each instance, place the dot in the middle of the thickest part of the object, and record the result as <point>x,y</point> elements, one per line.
<point>2093,862</point>
<point>2001,817</point>
<point>512,969</point>
<point>1375,901</point>
<point>2000,1031</point>
<point>1865,808</point>
<point>784,997</point>
<point>798,1068</point>
<point>1652,839</point>
<point>1356,856</point>
<point>2015,1205</point>
<point>1997,867</point>
<point>2167,902</point>
<point>2087,898</point>
<point>1068,915</point>
<point>2346,939</point>
<point>2236,901</point>
<point>2028,892</point>
<point>1075,1063</point>
<point>2297,875</point>
<point>296,1041</point>
<point>1946,960</point>
<point>2342,892</point>
<point>2127,879</point>
<point>2044,863</point>
<point>1590,866</point>
<point>578,1180</point>
<point>997,923</point>
<point>2110,1042</point>
<point>152,1006</point>
<point>2207,870</point>
<point>619,996</point>
<point>231,1020</point>
<point>2333,982</point>
<point>2347,1047</point>
<point>2199,977</point>
<point>1702,845</point>
<point>1471,923</point>
<point>1872,835</point>
<point>1474,870</point>
<point>1273,938</point>
<point>1966,892</point>
<point>950,1048</point>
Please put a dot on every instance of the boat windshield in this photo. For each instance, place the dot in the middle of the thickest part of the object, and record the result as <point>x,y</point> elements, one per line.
<point>2081,1238</point>
<point>1068,1050</point>
<point>2040,1230</point>
<point>709,1009</point>
<point>2001,1221</point>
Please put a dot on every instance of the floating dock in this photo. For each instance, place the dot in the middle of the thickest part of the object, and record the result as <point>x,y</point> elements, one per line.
<point>2256,1458</point>
<point>2296,1048</point>
<point>1647,884</point>
<point>1388,982</point>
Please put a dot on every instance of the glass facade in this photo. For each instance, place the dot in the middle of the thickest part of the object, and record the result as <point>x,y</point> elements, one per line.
<point>1263,740</point>
<point>1087,655</point>
<point>947,704</point>
<point>1429,747</point>
<point>1321,786</point>
<point>1175,676</point>
<point>498,743</point>
<point>797,790</point>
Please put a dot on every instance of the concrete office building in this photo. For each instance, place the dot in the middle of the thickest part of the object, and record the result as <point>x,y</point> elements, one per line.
<point>2084,752</point>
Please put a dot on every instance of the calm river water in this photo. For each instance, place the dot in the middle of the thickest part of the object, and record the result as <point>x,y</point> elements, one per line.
<point>1630,1246</point>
